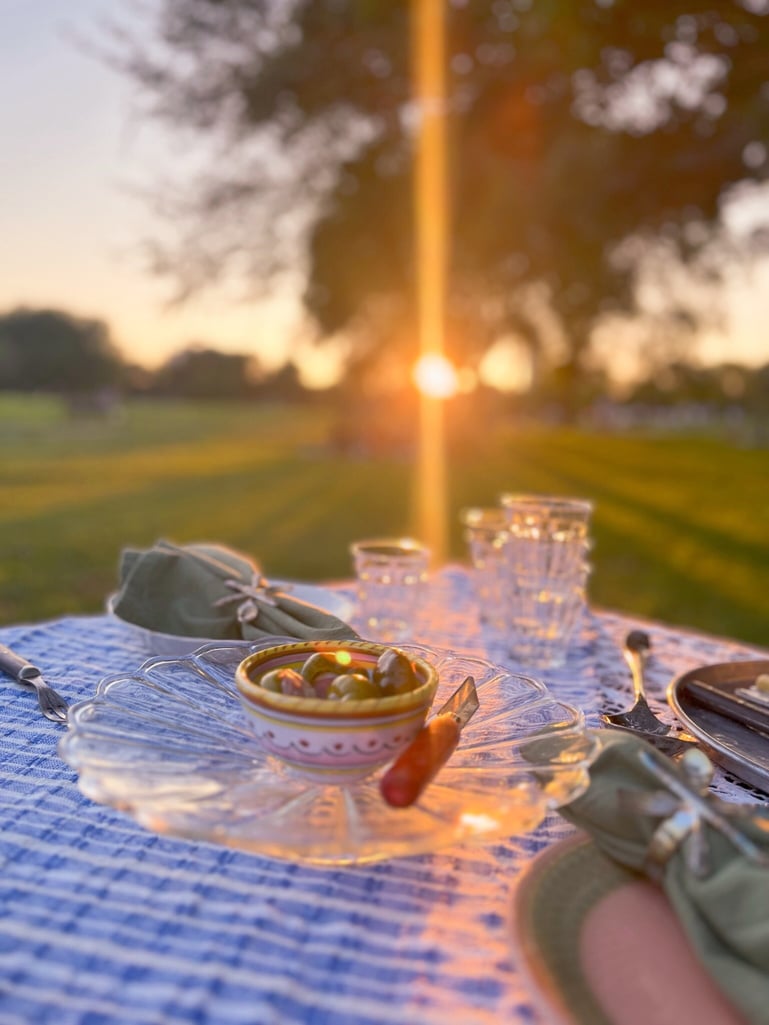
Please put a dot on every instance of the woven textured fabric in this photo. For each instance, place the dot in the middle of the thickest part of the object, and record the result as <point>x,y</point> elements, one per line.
<point>105,923</point>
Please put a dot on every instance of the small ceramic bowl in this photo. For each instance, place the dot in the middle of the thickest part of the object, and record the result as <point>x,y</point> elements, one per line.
<point>331,741</point>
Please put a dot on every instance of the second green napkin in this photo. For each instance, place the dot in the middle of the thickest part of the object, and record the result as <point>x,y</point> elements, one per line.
<point>211,591</point>
<point>723,904</point>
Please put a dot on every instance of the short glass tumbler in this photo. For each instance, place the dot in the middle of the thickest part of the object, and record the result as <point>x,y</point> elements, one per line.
<point>546,576</point>
<point>390,575</point>
<point>486,536</point>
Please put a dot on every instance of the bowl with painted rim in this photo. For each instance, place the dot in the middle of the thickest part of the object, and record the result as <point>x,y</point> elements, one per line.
<point>325,739</point>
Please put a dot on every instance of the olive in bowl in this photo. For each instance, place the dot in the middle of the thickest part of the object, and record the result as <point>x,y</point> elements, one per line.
<point>333,711</point>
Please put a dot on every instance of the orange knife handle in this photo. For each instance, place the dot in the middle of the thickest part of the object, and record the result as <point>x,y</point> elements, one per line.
<point>415,766</point>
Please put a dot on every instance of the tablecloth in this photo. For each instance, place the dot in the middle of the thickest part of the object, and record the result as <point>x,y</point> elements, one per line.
<point>104,923</point>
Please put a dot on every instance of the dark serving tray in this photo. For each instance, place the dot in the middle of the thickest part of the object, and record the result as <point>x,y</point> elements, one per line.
<point>732,745</point>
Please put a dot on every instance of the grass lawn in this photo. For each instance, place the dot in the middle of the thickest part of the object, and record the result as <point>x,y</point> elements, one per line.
<point>680,525</point>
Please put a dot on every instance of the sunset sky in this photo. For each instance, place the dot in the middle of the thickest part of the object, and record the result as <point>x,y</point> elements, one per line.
<point>73,154</point>
<point>74,150</point>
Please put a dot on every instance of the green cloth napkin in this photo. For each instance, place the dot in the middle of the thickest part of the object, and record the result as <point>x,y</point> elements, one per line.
<point>175,590</point>
<point>725,910</point>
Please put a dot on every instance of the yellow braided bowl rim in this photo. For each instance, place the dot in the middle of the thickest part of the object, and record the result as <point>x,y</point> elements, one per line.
<point>321,708</point>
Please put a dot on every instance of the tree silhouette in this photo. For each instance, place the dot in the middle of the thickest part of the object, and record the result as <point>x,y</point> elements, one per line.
<point>203,373</point>
<point>582,133</point>
<point>49,350</point>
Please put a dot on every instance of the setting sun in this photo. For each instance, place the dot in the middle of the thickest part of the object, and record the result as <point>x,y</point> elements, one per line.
<point>435,376</point>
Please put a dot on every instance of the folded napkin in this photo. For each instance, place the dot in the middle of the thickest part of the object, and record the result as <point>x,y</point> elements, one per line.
<point>207,590</point>
<point>711,858</point>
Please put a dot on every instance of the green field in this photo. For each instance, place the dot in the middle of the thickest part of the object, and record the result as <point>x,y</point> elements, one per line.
<point>681,529</point>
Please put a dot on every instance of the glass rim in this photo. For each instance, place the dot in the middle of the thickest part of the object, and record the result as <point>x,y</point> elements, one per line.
<point>477,516</point>
<point>556,503</point>
<point>407,548</point>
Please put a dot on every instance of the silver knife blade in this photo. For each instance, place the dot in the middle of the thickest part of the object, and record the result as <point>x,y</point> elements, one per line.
<point>462,704</point>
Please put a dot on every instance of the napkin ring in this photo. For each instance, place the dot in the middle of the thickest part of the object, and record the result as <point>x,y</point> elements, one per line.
<point>259,589</point>
<point>686,807</point>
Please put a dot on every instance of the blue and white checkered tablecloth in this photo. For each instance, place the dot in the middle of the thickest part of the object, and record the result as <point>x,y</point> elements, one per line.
<point>104,923</point>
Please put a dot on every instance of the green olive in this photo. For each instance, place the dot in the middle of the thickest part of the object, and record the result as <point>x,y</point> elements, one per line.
<point>394,673</point>
<point>320,662</point>
<point>286,681</point>
<point>353,687</point>
<point>271,681</point>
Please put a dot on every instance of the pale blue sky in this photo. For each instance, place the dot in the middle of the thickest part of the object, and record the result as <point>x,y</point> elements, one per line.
<point>72,143</point>
<point>72,146</point>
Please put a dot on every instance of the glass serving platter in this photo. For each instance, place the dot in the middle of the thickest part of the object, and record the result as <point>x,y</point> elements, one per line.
<point>170,745</point>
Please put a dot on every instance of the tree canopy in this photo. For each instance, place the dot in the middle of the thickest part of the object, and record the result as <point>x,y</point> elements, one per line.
<point>50,350</point>
<point>582,133</point>
<point>203,373</point>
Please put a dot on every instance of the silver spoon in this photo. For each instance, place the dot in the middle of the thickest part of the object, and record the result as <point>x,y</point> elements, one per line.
<point>52,705</point>
<point>640,716</point>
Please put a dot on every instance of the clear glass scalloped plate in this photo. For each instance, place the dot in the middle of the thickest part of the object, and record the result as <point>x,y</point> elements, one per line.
<point>170,745</point>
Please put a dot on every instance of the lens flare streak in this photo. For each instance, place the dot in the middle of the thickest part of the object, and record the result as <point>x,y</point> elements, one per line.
<point>430,199</point>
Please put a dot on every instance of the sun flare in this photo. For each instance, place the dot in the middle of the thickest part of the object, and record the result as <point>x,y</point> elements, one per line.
<point>436,376</point>
<point>431,201</point>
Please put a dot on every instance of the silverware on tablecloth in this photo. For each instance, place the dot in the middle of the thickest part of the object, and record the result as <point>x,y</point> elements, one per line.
<point>52,705</point>
<point>640,716</point>
<point>432,747</point>
<point>639,719</point>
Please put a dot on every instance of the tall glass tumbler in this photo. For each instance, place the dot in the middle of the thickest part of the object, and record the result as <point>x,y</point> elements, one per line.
<point>390,574</point>
<point>546,576</point>
<point>486,536</point>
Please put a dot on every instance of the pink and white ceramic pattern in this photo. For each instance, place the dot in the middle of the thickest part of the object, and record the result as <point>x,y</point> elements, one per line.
<point>331,741</point>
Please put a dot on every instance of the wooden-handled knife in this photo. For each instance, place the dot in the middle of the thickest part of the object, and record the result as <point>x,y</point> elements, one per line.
<point>418,763</point>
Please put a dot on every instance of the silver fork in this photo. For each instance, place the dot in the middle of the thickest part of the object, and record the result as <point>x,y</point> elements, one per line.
<point>640,716</point>
<point>640,719</point>
<point>52,705</point>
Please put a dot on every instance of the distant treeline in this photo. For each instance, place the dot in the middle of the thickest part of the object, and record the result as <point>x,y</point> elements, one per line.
<point>53,351</point>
